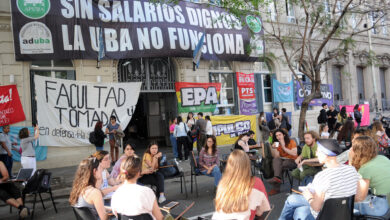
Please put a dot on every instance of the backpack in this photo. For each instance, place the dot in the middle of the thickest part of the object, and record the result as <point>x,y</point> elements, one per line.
<point>92,138</point>
<point>266,164</point>
<point>33,183</point>
<point>320,118</point>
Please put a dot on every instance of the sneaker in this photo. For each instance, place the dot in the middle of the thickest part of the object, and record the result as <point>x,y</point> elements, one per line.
<point>23,213</point>
<point>273,192</point>
<point>161,199</point>
<point>274,180</point>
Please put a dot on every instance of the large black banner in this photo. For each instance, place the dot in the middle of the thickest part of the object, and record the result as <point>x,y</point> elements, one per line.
<point>78,29</point>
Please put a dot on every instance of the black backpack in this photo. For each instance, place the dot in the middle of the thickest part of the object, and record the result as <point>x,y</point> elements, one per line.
<point>92,138</point>
<point>266,164</point>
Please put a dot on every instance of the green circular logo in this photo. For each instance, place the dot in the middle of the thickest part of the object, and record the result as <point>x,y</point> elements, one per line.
<point>254,23</point>
<point>33,9</point>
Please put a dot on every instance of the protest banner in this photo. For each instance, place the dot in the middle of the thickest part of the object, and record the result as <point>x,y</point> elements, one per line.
<point>364,110</point>
<point>197,97</point>
<point>79,29</point>
<point>228,128</point>
<point>248,107</point>
<point>326,92</point>
<point>11,110</point>
<point>246,85</point>
<point>68,110</point>
<point>40,151</point>
<point>282,92</point>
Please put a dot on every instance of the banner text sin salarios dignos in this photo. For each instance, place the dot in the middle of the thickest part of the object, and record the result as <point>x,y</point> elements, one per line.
<point>138,28</point>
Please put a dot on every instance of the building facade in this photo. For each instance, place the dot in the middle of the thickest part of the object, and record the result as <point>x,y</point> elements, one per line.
<point>350,73</point>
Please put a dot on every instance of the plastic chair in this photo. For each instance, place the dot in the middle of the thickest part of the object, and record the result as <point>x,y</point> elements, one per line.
<point>37,184</point>
<point>144,216</point>
<point>83,213</point>
<point>337,209</point>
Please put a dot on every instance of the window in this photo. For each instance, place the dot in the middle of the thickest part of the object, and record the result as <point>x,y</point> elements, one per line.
<point>382,78</point>
<point>227,96</point>
<point>360,83</point>
<point>328,14</point>
<point>271,10</point>
<point>267,88</point>
<point>383,24</point>
<point>337,87</point>
<point>290,11</point>
<point>214,2</point>
<point>373,17</point>
<point>61,69</point>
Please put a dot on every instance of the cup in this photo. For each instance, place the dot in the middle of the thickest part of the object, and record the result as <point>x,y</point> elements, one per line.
<point>276,144</point>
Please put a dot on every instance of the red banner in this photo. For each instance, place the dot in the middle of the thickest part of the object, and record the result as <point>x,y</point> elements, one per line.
<point>246,85</point>
<point>245,80</point>
<point>11,110</point>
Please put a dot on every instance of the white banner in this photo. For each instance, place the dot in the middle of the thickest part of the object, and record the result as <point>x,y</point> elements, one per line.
<point>68,110</point>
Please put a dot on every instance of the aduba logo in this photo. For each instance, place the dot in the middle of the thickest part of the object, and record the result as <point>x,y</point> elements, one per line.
<point>35,38</point>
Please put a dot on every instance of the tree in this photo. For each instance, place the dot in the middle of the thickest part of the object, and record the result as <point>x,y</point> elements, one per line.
<point>319,25</point>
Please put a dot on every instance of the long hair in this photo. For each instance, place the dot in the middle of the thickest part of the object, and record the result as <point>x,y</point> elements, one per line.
<point>343,112</point>
<point>322,127</point>
<point>149,146</point>
<point>179,119</point>
<point>23,133</point>
<point>240,136</point>
<point>347,129</point>
<point>98,126</point>
<point>377,126</point>
<point>83,178</point>
<point>188,116</point>
<point>285,134</point>
<point>236,184</point>
<point>356,107</point>
<point>214,147</point>
<point>100,154</point>
<point>364,149</point>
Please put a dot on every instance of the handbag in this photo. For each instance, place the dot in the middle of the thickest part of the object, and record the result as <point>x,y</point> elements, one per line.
<point>189,138</point>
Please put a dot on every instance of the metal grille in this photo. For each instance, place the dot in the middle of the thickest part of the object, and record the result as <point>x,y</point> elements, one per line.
<point>156,74</point>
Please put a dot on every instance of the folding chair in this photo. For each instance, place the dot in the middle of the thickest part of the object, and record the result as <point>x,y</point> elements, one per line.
<point>194,171</point>
<point>180,175</point>
<point>83,213</point>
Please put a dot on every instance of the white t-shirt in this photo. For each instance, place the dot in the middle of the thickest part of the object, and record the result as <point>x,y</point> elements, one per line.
<point>133,199</point>
<point>337,182</point>
<point>325,134</point>
<point>209,128</point>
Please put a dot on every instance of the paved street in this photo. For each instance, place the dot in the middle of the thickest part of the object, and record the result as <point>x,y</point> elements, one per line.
<point>62,181</point>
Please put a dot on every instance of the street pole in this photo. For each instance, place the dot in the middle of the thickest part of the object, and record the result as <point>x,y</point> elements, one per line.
<point>372,69</point>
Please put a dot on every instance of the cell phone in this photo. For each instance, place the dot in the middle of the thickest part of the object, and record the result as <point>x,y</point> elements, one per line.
<point>170,205</point>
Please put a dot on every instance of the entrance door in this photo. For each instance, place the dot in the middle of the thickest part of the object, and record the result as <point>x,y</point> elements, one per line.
<point>157,101</point>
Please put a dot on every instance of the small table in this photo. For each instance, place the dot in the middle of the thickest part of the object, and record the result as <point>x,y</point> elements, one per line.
<point>314,164</point>
<point>178,211</point>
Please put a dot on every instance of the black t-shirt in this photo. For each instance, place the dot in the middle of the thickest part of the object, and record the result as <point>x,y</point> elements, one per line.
<point>251,142</point>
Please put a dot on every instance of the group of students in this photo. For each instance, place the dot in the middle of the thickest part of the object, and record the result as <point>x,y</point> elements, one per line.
<point>123,189</point>
<point>183,134</point>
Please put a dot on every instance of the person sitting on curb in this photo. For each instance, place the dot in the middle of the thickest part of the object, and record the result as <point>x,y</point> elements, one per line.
<point>284,152</point>
<point>308,155</point>
<point>336,181</point>
<point>10,194</point>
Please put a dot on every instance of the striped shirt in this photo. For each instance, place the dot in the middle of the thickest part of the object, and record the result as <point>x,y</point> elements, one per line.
<point>337,182</point>
<point>206,159</point>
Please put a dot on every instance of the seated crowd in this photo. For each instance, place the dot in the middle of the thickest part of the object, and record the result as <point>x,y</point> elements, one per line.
<point>349,165</point>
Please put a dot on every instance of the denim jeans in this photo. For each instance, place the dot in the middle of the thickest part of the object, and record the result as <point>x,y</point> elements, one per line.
<point>99,148</point>
<point>216,173</point>
<point>172,138</point>
<point>371,205</point>
<point>8,161</point>
<point>296,207</point>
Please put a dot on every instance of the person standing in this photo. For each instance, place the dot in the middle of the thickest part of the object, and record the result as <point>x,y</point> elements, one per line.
<point>172,137</point>
<point>323,118</point>
<point>28,159</point>
<point>342,117</point>
<point>332,118</point>
<point>111,129</point>
<point>209,126</point>
<point>284,119</point>
<point>191,125</point>
<point>5,149</point>
<point>99,136</point>
<point>180,132</point>
<point>201,125</point>
<point>357,115</point>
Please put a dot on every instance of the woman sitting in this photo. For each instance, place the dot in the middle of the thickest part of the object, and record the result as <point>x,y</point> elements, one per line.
<point>84,193</point>
<point>242,142</point>
<point>381,138</point>
<point>208,160</point>
<point>129,152</point>
<point>374,172</point>
<point>132,199</point>
<point>151,175</point>
<point>107,184</point>
<point>239,195</point>
<point>346,133</point>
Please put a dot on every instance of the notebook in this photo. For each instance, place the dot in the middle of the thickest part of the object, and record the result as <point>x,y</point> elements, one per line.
<point>24,174</point>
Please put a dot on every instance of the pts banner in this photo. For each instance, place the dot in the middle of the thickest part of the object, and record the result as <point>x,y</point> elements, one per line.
<point>68,110</point>
<point>82,29</point>
<point>197,97</point>
<point>228,128</point>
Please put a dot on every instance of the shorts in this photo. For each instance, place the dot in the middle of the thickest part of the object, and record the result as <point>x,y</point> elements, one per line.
<point>9,191</point>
